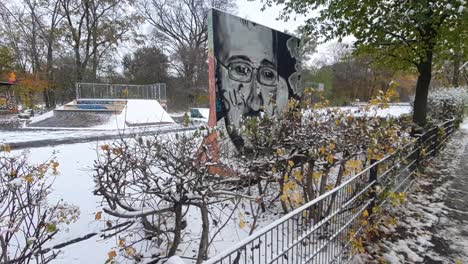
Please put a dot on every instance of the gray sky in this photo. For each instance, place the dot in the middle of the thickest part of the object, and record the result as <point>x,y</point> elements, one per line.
<point>251,10</point>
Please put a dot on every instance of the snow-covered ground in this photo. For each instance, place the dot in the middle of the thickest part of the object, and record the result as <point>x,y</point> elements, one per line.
<point>33,135</point>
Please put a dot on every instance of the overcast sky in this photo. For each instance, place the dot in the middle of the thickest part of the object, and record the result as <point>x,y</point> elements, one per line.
<point>251,10</point>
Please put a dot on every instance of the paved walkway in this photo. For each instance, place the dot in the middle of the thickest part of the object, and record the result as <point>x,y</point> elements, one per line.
<point>432,226</point>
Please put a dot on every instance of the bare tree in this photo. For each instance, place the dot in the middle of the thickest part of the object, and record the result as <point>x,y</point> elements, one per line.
<point>93,28</point>
<point>182,25</point>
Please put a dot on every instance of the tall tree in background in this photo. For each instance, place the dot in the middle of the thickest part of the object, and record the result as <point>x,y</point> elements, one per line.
<point>181,26</point>
<point>146,66</point>
<point>407,33</point>
<point>93,27</point>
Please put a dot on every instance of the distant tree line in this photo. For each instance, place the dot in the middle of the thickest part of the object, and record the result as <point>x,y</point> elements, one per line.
<point>52,44</point>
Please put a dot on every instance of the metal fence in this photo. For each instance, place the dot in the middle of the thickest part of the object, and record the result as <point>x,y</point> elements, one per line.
<point>120,91</point>
<point>326,229</point>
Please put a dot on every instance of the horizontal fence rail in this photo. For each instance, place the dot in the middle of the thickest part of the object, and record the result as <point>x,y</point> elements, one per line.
<point>155,91</point>
<point>324,229</point>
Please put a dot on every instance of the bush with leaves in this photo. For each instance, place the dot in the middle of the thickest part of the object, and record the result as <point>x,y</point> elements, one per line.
<point>28,222</point>
<point>286,161</point>
<point>446,103</point>
<point>158,181</point>
<point>313,148</point>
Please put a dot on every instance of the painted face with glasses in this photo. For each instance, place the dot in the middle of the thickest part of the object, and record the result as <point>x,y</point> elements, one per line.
<point>250,86</point>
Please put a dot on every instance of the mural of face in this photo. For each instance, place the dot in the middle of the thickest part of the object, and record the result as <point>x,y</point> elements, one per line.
<point>253,67</point>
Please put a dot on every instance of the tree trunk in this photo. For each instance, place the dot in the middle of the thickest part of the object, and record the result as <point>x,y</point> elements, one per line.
<point>456,70</point>
<point>203,248</point>
<point>177,230</point>
<point>78,64</point>
<point>422,89</point>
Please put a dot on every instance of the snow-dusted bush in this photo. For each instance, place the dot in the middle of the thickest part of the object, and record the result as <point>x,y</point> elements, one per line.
<point>28,221</point>
<point>446,103</point>
<point>314,148</point>
<point>156,182</point>
<point>287,161</point>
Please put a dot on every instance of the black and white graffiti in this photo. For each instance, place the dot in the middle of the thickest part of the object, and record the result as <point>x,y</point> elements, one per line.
<point>257,70</point>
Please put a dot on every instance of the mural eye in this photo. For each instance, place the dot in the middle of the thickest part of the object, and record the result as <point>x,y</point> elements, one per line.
<point>240,72</point>
<point>267,76</point>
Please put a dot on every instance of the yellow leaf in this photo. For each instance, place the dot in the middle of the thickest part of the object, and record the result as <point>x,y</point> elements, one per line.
<point>322,150</point>
<point>55,166</point>
<point>7,148</point>
<point>117,151</point>
<point>363,222</point>
<point>331,146</point>
<point>365,214</point>
<point>98,216</point>
<point>242,223</point>
<point>130,251</point>
<point>279,152</point>
<point>29,178</point>
<point>105,147</point>
<point>354,164</point>
<point>121,242</point>
<point>112,254</point>
<point>284,197</point>
<point>317,174</point>
<point>298,175</point>
<point>330,159</point>
<point>290,163</point>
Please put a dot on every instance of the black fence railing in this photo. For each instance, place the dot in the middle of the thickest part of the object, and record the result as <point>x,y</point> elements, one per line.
<point>299,238</point>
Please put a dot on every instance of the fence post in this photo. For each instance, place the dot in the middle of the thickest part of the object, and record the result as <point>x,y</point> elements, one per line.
<point>373,177</point>
<point>419,146</point>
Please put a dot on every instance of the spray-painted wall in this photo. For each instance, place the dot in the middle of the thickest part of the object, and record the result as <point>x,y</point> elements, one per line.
<point>8,100</point>
<point>253,69</point>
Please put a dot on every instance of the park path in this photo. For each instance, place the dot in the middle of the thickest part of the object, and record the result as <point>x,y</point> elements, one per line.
<point>432,226</point>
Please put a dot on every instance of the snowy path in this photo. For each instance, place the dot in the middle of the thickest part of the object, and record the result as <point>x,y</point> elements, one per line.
<point>432,227</point>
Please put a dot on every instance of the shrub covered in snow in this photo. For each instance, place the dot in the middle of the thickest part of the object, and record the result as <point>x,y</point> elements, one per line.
<point>446,103</point>
<point>286,161</point>
<point>28,222</point>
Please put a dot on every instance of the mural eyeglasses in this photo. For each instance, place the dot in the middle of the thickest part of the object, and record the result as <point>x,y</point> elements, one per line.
<point>243,72</point>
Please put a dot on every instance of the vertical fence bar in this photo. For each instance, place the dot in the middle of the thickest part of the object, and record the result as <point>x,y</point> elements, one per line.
<point>77,85</point>
<point>373,180</point>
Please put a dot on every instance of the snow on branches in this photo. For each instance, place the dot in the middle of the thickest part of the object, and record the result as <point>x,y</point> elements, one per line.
<point>28,222</point>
